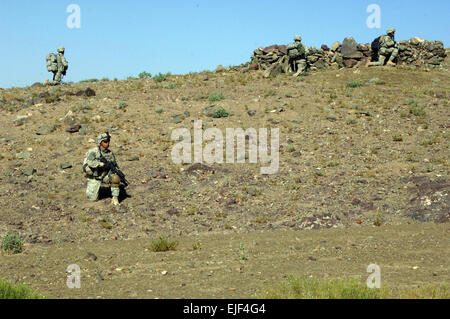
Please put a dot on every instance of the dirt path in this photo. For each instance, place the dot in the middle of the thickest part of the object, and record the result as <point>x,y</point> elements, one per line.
<point>409,255</point>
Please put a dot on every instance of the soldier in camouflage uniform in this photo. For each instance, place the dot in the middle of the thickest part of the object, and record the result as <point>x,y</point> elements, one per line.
<point>297,53</point>
<point>96,173</point>
<point>388,48</point>
<point>62,66</point>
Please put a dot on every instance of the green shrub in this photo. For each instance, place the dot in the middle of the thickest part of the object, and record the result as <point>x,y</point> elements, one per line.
<point>160,77</point>
<point>216,97</point>
<point>220,113</point>
<point>122,105</point>
<point>145,75</point>
<point>313,288</point>
<point>171,86</point>
<point>163,244</point>
<point>354,84</point>
<point>12,243</point>
<point>19,291</point>
<point>417,110</point>
<point>88,81</point>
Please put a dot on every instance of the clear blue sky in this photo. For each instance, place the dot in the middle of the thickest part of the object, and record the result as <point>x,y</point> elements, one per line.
<point>121,38</point>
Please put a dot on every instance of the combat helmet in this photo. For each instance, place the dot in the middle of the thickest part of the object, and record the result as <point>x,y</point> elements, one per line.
<point>103,137</point>
<point>297,38</point>
<point>61,50</point>
<point>390,30</point>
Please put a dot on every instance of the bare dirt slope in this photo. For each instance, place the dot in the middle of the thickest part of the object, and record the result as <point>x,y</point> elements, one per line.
<point>357,148</point>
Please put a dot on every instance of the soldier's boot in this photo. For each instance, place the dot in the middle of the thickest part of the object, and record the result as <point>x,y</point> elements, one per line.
<point>390,62</point>
<point>115,200</point>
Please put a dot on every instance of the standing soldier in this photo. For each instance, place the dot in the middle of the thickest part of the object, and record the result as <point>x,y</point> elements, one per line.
<point>98,166</point>
<point>387,47</point>
<point>297,53</point>
<point>57,64</point>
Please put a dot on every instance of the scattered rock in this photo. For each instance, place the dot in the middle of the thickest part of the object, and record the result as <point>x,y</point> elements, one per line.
<point>173,211</point>
<point>65,165</point>
<point>23,155</point>
<point>88,92</point>
<point>335,46</point>
<point>177,120</point>
<point>46,129</point>
<point>199,167</point>
<point>253,191</point>
<point>74,128</point>
<point>133,158</point>
<point>29,172</point>
<point>20,120</point>
<point>91,256</point>
<point>44,95</point>
<point>253,67</point>
<point>350,63</point>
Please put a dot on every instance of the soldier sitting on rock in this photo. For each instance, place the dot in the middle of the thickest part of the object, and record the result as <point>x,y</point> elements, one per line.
<point>297,53</point>
<point>387,47</point>
<point>100,166</point>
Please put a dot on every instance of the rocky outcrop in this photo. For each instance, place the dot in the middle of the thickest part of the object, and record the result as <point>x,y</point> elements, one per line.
<point>349,54</point>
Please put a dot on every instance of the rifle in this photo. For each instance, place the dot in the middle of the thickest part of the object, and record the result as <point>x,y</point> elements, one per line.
<point>113,169</point>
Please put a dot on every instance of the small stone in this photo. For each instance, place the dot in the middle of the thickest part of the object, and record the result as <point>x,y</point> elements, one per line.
<point>87,92</point>
<point>133,158</point>
<point>177,120</point>
<point>251,112</point>
<point>29,172</point>
<point>65,165</point>
<point>91,256</point>
<point>46,129</point>
<point>74,128</point>
<point>350,63</point>
<point>23,155</point>
<point>253,191</point>
<point>173,211</point>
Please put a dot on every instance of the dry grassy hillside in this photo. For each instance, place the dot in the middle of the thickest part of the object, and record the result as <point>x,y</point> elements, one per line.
<point>365,146</point>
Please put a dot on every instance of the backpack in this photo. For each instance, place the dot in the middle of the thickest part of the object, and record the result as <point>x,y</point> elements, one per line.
<point>52,62</point>
<point>295,52</point>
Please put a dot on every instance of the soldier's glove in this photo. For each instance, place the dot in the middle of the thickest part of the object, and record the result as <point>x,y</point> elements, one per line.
<point>101,164</point>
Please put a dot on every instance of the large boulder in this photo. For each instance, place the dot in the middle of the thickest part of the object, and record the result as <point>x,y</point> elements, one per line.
<point>350,49</point>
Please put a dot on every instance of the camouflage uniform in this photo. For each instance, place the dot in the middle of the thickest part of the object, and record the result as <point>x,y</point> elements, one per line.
<point>388,48</point>
<point>96,174</point>
<point>297,53</point>
<point>62,66</point>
